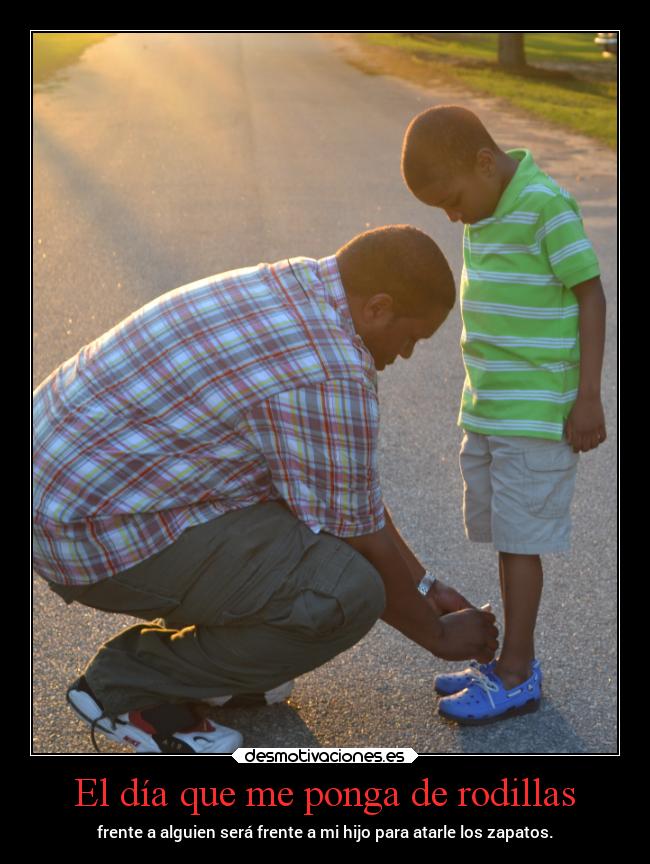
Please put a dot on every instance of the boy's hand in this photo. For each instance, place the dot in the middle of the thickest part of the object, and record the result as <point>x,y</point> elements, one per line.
<point>585,425</point>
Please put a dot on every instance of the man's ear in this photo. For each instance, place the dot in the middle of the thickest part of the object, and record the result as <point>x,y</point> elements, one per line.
<point>379,309</point>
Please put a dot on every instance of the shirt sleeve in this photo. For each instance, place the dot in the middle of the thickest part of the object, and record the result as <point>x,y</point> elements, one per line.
<point>567,247</point>
<point>320,446</point>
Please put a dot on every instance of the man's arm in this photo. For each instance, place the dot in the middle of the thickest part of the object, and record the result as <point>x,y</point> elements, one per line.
<point>443,598</point>
<point>459,635</point>
<point>585,426</point>
<point>330,482</point>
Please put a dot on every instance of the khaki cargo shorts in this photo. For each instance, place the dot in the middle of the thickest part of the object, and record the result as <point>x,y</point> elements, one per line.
<point>517,492</point>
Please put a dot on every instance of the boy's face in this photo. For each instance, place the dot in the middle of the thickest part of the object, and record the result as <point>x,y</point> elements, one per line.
<point>469,197</point>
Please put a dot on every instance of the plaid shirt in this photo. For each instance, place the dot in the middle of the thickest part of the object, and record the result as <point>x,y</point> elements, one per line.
<point>245,387</point>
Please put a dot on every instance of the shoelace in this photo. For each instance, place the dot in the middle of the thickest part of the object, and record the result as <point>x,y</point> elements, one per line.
<point>474,667</point>
<point>92,729</point>
<point>95,724</point>
<point>487,685</point>
<point>169,743</point>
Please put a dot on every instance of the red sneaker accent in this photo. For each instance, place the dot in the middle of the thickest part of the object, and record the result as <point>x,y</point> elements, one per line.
<point>138,720</point>
<point>200,725</point>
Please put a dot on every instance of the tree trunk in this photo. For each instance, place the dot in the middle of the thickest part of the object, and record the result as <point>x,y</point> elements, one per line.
<point>511,50</point>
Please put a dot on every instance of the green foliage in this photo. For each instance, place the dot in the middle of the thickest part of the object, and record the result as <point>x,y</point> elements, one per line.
<point>584,101</point>
<point>55,51</point>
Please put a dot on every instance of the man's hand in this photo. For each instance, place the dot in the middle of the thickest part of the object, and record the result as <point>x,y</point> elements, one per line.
<point>585,425</point>
<point>461,634</point>
<point>446,599</point>
<point>468,634</point>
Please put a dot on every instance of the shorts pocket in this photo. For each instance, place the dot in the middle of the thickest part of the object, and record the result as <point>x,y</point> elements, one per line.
<point>550,480</point>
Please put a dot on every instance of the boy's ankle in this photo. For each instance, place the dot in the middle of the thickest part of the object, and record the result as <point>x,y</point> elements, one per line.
<point>512,675</point>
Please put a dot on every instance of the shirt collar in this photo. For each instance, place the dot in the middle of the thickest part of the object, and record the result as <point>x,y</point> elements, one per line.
<point>330,277</point>
<point>524,174</point>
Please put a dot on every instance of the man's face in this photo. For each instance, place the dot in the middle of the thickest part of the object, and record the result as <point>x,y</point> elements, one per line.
<point>388,337</point>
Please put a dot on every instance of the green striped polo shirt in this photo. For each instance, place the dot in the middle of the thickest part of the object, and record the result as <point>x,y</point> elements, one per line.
<point>520,317</point>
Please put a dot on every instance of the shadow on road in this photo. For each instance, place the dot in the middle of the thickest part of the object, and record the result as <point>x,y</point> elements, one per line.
<point>547,731</point>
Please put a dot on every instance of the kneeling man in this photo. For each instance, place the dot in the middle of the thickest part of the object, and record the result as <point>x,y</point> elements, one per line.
<point>209,465</point>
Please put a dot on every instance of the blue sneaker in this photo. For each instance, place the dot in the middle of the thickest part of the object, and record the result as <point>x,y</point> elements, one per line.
<point>485,699</point>
<point>453,682</point>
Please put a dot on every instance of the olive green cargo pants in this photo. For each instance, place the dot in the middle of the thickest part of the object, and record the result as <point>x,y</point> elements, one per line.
<point>242,604</point>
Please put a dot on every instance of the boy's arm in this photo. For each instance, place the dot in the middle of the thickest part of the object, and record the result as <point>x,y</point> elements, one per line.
<point>585,426</point>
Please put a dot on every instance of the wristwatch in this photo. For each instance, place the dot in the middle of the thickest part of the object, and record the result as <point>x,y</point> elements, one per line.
<point>425,583</point>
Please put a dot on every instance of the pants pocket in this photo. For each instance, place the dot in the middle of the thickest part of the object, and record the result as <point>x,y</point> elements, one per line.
<point>550,480</point>
<point>338,591</point>
<point>110,595</point>
<point>297,590</point>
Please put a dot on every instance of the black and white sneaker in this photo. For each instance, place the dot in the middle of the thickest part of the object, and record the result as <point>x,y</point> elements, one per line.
<point>253,700</point>
<point>173,729</point>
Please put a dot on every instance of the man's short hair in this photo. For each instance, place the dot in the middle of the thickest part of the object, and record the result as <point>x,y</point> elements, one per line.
<point>441,143</point>
<point>401,261</point>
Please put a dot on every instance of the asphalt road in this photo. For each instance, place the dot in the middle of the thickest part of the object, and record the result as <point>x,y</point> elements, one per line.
<point>161,159</point>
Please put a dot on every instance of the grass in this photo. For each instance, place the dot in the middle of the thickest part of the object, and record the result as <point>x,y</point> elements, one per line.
<point>540,47</point>
<point>575,86</point>
<point>54,51</point>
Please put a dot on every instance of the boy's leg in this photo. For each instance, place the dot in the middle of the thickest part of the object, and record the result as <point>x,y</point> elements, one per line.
<point>249,600</point>
<point>533,482</point>
<point>475,463</point>
<point>521,581</point>
<point>502,587</point>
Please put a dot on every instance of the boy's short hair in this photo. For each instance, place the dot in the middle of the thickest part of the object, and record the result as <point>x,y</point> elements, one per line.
<point>401,261</point>
<point>440,143</point>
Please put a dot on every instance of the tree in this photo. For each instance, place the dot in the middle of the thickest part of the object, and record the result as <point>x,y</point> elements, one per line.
<point>512,54</point>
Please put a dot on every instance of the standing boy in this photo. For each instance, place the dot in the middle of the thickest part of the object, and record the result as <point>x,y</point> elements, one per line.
<point>533,337</point>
